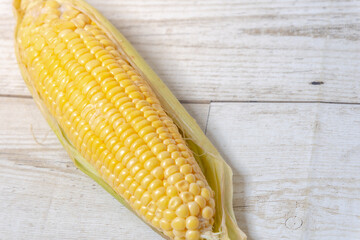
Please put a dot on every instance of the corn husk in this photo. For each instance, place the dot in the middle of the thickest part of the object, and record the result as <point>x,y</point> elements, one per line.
<point>217,172</point>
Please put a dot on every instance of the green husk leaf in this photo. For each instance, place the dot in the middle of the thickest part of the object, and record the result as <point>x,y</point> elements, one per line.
<point>217,172</point>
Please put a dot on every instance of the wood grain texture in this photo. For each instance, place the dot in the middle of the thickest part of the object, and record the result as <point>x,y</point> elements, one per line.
<point>296,165</point>
<point>241,50</point>
<point>296,168</point>
<point>43,195</point>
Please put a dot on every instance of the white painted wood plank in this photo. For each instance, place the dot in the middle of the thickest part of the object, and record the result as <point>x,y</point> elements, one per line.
<point>296,168</point>
<point>43,195</point>
<point>199,112</point>
<point>232,50</point>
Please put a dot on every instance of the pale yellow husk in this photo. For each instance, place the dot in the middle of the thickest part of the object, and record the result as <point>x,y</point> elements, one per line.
<point>217,172</point>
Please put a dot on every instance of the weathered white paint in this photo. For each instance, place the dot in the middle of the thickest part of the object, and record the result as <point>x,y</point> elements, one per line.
<point>232,50</point>
<point>296,167</point>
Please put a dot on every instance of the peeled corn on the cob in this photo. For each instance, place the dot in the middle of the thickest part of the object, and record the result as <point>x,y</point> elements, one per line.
<point>102,102</point>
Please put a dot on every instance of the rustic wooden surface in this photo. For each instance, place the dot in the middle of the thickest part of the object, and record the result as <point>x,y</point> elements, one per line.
<point>274,84</point>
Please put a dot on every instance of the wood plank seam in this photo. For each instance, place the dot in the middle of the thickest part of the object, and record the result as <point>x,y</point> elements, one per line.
<point>217,101</point>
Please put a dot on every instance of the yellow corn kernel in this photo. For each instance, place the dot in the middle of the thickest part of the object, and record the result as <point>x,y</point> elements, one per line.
<point>158,193</point>
<point>192,223</point>
<point>186,197</point>
<point>167,163</point>
<point>155,184</point>
<point>180,161</point>
<point>145,199</point>
<point>186,169</point>
<point>178,223</point>
<point>200,183</point>
<point>179,234</point>
<point>171,170</point>
<point>158,214</point>
<point>156,222</point>
<point>192,235</point>
<point>171,191</point>
<point>190,178</point>
<point>52,4</point>
<point>174,203</point>
<point>207,213</point>
<point>169,234</point>
<point>151,163</point>
<point>70,14</point>
<point>165,225</point>
<point>176,177</point>
<point>163,202</point>
<point>175,154</point>
<point>194,189</point>
<point>182,211</point>
<point>201,201</point>
<point>182,185</point>
<point>146,181</point>
<point>194,208</point>
<point>158,172</point>
<point>205,193</point>
<point>151,207</point>
<point>169,215</point>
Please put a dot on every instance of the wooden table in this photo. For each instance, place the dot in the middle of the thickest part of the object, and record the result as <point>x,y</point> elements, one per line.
<point>274,84</point>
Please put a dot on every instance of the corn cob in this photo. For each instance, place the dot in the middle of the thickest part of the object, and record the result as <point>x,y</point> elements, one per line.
<point>110,114</point>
